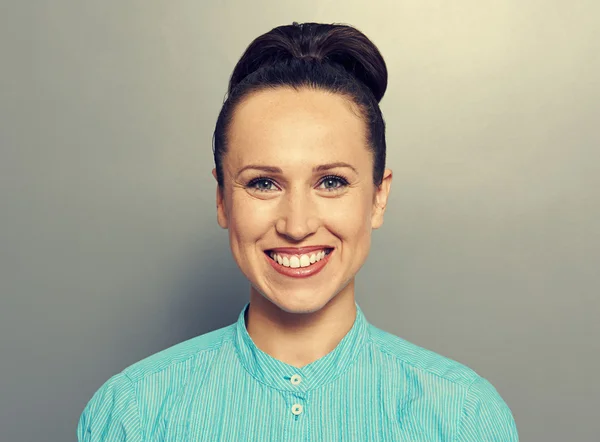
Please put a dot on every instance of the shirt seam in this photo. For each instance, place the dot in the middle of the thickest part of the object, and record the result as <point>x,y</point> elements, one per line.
<point>247,370</point>
<point>137,406</point>
<point>192,355</point>
<point>462,412</point>
<point>404,361</point>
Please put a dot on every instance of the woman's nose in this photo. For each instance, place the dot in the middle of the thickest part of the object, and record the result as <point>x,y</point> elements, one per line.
<point>298,217</point>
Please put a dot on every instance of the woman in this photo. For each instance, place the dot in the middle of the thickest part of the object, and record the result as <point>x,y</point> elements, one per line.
<point>299,151</point>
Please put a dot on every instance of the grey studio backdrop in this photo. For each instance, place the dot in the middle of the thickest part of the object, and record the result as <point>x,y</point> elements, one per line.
<point>110,250</point>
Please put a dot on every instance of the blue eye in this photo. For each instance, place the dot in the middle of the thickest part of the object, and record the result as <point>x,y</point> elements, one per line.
<point>333,182</point>
<point>329,183</point>
<point>261,184</point>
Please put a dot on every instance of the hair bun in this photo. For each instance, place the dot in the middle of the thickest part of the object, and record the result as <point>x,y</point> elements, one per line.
<point>337,44</point>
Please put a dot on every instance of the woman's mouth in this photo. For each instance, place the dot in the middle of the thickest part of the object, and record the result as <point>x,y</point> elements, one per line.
<point>299,265</point>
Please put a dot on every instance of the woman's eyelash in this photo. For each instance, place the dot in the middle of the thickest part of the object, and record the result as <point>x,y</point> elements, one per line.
<point>343,182</point>
<point>252,183</point>
<point>340,179</point>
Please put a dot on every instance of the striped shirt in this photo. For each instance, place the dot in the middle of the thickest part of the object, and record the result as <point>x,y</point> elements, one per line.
<point>220,386</point>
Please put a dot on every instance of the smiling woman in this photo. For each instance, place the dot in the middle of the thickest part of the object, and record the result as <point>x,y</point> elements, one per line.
<point>310,184</point>
<point>299,151</point>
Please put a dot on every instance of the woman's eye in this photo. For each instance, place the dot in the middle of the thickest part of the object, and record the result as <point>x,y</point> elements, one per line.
<point>329,183</point>
<point>261,184</point>
<point>333,182</point>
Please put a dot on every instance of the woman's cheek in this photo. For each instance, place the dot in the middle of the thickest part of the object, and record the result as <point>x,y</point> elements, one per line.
<point>348,217</point>
<point>252,217</point>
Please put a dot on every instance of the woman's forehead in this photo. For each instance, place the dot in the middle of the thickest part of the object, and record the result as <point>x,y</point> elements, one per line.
<point>283,122</point>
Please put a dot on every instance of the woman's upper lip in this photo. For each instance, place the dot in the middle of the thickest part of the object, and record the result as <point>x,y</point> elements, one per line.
<point>298,250</point>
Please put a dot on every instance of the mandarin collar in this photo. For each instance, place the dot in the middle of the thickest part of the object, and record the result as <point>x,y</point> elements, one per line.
<point>279,375</point>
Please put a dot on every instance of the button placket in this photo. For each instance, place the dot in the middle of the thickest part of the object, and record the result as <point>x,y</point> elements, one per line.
<point>297,407</point>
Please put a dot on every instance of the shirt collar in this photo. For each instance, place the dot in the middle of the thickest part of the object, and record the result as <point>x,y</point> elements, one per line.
<point>282,376</point>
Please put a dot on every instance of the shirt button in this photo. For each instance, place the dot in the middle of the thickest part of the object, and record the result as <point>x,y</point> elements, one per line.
<point>297,409</point>
<point>295,380</point>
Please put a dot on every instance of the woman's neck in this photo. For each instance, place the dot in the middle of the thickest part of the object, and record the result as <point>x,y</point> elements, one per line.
<point>298,339</point>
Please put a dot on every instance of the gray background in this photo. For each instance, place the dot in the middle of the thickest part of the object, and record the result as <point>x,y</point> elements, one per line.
<point>110,250</point>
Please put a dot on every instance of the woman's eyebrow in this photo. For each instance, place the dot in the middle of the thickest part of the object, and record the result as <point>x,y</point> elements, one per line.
<point>324,167</point>
<point>320,168</point>
<point>269,169</point>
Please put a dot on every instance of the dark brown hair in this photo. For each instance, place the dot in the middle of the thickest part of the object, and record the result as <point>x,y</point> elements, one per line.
<point>333,57</point>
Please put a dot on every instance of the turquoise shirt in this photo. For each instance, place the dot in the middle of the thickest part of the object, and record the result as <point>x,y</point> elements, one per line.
<point>373,386</point>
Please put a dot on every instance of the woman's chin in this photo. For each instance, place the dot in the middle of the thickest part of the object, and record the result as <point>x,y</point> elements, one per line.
<point>298,301</point>
<point>300,304</point>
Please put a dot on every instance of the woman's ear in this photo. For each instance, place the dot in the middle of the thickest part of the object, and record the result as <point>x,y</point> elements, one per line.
<point>380,200</point>
<point>221,212</point>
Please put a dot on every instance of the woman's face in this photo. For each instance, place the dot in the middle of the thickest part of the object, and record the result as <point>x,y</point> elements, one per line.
<point>297,175</point>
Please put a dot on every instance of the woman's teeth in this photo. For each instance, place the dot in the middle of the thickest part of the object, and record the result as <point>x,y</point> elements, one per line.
<point>295,261</point>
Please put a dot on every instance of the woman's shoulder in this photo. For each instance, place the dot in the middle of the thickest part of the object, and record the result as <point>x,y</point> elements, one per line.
<point>456,392</point>
<point>118,404</point>
<point>180,354</point>
<point>415,358</point>
<point>482,412</point>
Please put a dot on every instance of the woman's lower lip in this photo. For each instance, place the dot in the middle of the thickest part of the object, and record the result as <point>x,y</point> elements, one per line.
<point>300,272</point>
